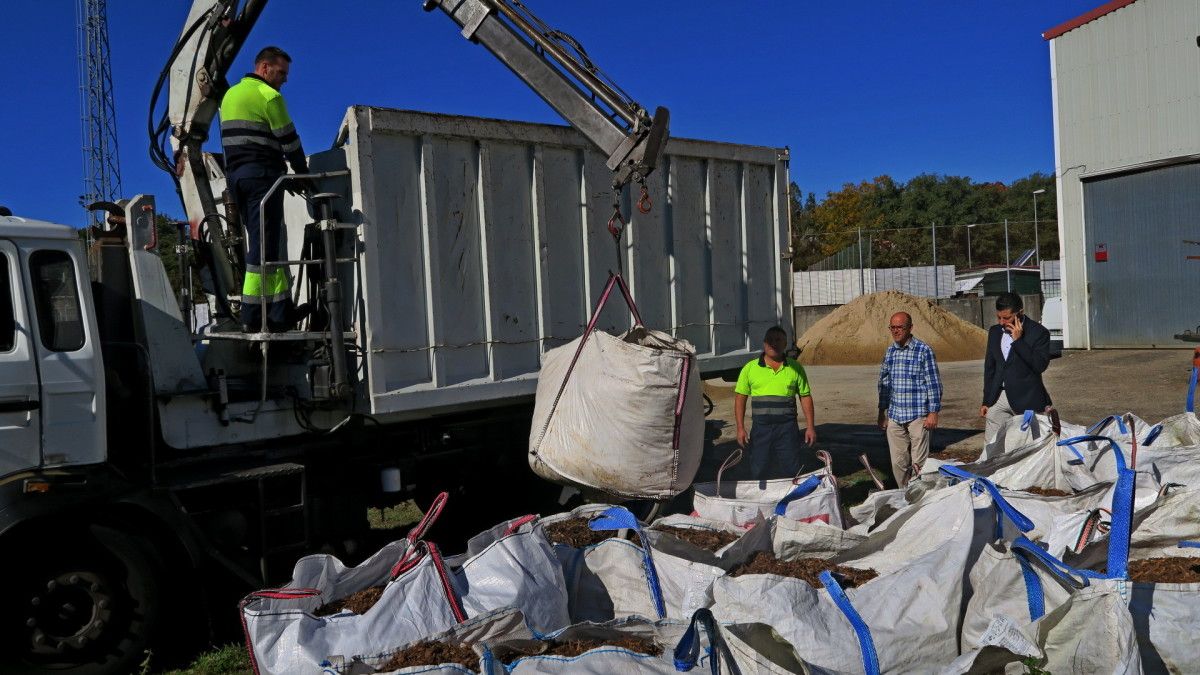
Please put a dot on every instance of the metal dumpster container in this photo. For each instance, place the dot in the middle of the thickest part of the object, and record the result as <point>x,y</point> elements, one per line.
<point>484,244</point>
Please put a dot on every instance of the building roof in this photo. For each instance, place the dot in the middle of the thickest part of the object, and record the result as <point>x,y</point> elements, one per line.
<point>1106,8</point>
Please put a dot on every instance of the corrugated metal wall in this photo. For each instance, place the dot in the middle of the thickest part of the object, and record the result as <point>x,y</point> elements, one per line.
<point>1126,90</point>
<point>485,244</point>
<point>1143,294</point>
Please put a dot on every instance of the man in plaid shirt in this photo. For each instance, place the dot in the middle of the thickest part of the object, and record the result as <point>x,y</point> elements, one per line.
<point>910,396</point>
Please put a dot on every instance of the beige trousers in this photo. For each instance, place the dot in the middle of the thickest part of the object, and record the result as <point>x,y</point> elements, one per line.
<point>998,415</point>
<point>909,447</point>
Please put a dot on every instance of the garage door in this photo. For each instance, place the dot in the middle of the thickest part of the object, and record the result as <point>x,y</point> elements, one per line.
<point>1146,291</point>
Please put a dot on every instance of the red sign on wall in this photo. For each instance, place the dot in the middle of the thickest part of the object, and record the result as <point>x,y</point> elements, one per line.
<point>1101,253</point>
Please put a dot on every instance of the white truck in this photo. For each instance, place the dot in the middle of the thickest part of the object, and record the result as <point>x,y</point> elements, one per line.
<point>152,468</point>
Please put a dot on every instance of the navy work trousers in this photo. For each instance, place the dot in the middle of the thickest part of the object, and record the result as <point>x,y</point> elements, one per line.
<point>774,449</point>
<point>250,183</point>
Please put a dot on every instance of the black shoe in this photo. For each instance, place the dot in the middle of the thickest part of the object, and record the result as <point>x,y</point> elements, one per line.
<point>294,316</point>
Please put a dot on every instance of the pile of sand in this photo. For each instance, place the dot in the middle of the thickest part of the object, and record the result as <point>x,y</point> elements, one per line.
<point>856,333</point>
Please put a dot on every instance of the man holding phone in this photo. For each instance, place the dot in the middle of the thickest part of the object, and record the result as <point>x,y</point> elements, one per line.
<point>1018,352</point>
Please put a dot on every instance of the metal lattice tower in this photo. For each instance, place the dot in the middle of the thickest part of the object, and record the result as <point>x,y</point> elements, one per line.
<point>97,112</point>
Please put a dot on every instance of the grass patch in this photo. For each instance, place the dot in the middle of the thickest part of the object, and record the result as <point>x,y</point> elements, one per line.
<point>227,660</point>
<point>855,487</point>
<point>392,517</point>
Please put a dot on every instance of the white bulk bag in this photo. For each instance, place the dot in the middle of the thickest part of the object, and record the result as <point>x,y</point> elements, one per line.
<point>809,497</point>
<point>614,579</point>
<point>1091,633</point>
<point>1017,581</point>
<point>477,633</point>
<point>912,608</point>
<point>1178,431</point>
<point>517,569</point>
<point>701,645</point>
<point>284,636</point>
<point>623,415</point>
<point>419,599</point>
<point>1026,430</point>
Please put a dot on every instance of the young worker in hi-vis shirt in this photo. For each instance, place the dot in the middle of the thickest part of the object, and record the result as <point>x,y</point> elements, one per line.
<point>772,382</point>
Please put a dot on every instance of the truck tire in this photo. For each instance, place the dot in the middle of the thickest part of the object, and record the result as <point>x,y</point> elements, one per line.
<point>84,605</point>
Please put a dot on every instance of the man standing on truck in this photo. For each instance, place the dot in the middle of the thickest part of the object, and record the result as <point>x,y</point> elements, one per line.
<point>910,397</point>
<point>258,136</point>
<point>772,382</point>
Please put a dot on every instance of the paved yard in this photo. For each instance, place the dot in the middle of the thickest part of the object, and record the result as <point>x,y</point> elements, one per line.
<point>1085,386</point>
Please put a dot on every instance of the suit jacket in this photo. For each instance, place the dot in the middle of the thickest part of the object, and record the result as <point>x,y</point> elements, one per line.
<point>1020,376</point>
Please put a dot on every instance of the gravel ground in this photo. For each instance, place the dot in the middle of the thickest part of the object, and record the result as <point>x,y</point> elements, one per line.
<point>1085,386</point>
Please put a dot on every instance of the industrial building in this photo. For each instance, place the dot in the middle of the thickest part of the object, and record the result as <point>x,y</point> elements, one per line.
<point>1126,96</point>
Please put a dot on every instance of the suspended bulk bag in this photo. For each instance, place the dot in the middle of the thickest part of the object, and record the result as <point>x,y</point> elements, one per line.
<point>619,414</point>
<point>810,497</point>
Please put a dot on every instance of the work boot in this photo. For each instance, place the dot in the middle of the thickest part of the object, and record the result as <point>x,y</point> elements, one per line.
<point>294,315</point>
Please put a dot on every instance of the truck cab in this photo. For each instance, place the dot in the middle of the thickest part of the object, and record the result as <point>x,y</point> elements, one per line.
<point>52,410</point>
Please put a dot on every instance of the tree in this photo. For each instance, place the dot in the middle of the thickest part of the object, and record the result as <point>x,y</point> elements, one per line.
<point>896,218</point>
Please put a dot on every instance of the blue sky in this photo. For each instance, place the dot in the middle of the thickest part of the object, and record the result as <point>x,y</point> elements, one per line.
<point>856,89</point>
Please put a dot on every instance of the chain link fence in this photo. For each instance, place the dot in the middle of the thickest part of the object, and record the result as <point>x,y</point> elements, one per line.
<point>937,261</point>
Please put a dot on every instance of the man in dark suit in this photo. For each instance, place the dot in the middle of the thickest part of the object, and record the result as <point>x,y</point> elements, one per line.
<point>1018,352</point>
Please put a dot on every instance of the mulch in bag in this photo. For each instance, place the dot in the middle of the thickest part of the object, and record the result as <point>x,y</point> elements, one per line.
<point>612,579</point>
<point>636,645</point>
<point>809,497</point>
<point>285,635</point>
<point>462,649</point>
<point>619,414</point>
<point>911,610</point>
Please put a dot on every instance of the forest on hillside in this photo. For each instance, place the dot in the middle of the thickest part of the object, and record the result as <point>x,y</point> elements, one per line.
<point>898,222</point>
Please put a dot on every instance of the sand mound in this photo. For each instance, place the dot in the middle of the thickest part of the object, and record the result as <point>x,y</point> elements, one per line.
<point>856,332</point>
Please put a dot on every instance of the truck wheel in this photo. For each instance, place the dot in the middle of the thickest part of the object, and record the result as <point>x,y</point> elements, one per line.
<point>86,606</point>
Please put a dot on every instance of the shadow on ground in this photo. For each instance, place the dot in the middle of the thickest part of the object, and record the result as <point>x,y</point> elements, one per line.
<point>845,443</point>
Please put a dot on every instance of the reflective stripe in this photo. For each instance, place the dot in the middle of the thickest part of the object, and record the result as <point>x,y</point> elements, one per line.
<point>276,287</point>
<point>255,300</point>
<point>773,405</point>
<point>245,125</point>
<point>773,418</point>
<point>251,140</point>
<point>293,146</point>
<point>285,130</point>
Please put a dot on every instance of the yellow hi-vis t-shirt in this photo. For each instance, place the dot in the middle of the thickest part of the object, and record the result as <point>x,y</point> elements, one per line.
<point>759,379</point>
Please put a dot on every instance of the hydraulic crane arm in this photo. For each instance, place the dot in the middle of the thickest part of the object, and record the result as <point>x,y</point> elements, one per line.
<point>558,69</point>
<point>551,63</point>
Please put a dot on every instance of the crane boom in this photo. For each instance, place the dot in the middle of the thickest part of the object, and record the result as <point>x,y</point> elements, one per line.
<point>551,63</point>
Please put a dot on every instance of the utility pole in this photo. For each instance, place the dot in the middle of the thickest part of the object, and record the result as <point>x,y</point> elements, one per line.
<point>862,279</point>
<point>933,230</point>
<point>1007,258</point>
<point>97,112</point>
<point>1037,249</point>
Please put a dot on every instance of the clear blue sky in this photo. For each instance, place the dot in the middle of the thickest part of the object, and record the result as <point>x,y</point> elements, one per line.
<point>856,89</point>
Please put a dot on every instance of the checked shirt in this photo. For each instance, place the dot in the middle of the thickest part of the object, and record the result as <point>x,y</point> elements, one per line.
<point>909,385</point>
